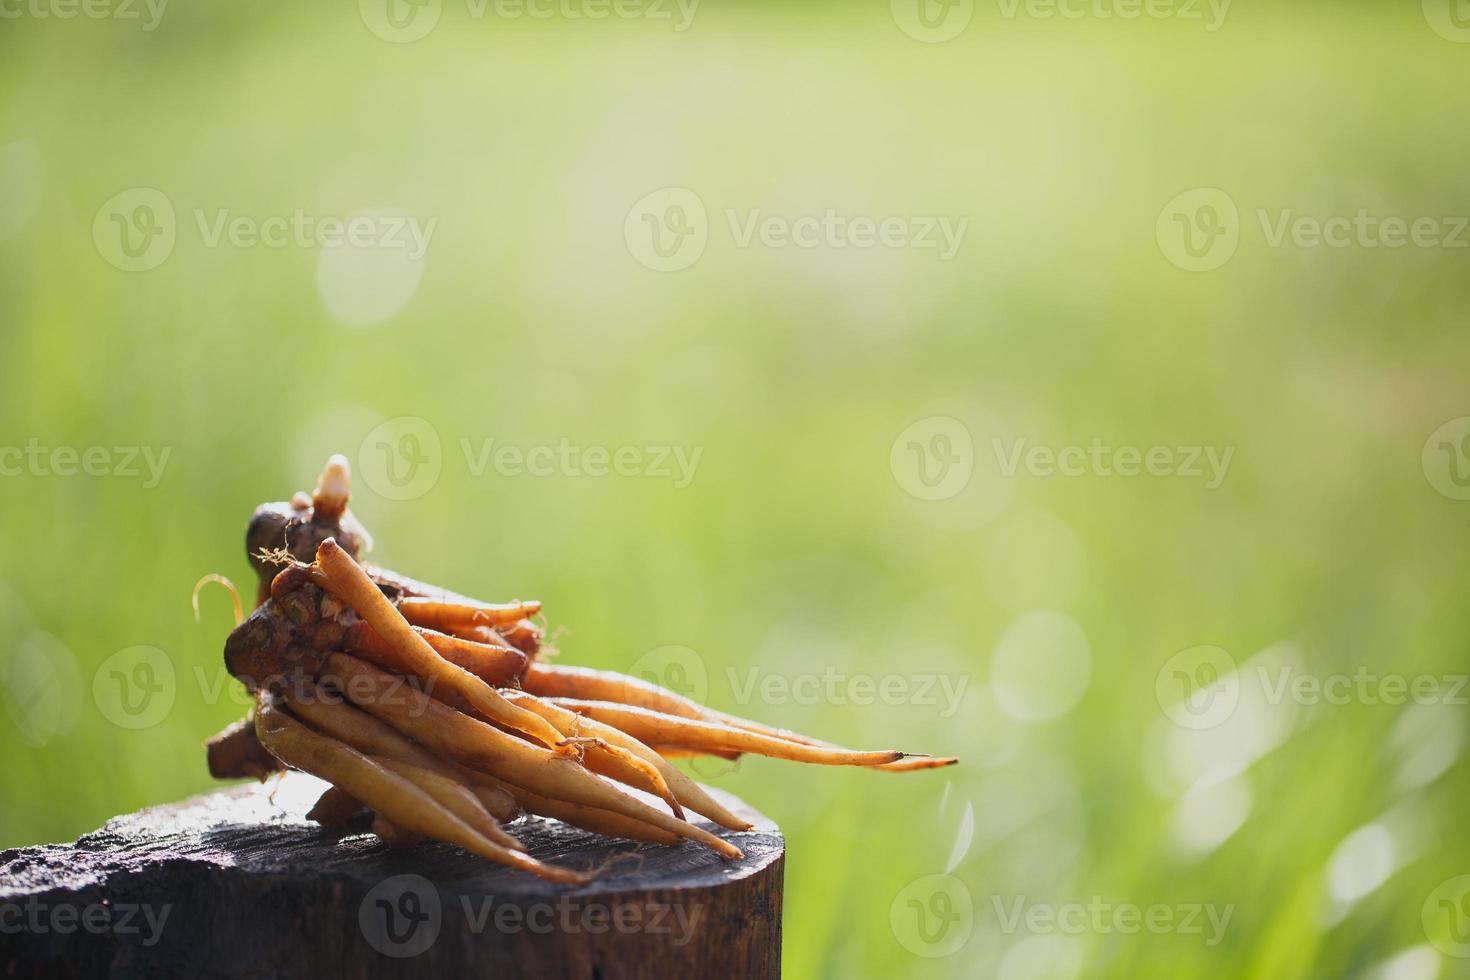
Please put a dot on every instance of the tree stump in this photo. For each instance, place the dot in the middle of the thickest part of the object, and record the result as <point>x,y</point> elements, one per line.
<point>238,883</point>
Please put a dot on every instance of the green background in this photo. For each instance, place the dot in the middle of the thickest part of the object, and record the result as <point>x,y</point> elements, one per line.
<point>1327,549</point>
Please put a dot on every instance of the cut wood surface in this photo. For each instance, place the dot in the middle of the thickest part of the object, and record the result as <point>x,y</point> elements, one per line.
<point>238,883</point>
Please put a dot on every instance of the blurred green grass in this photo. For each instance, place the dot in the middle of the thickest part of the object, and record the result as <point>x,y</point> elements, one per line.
<point>795,547</point>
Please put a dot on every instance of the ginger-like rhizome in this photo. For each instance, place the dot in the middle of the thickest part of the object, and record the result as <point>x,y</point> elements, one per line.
<point>438,713</point>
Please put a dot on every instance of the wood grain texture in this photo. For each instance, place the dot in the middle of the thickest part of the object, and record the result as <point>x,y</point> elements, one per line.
<point>238,883</point>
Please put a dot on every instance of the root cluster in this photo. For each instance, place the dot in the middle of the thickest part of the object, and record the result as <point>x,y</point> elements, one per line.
<point>435,712</point>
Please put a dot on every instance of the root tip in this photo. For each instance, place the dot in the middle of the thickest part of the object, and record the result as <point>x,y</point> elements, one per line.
<point>333,488</point>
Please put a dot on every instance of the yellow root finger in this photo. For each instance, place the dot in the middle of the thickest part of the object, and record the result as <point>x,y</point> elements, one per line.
<point>455,798</point>
<point>329,713</point>
<point>351,584</point>
<point>915,763</point>
<point>735,721</point>
<point>396,799</point>
<point>495,664</point>
<point>598,821</point>
<point>912,763</point>
<point>452,617</point>
<point>643,767</point>
<point>652,726</point>
<point>684,789</point>
<point>524,636</point>
<point>587,684</point>
<point>497,800</point>
<point>455,735</point>
<point>683,752</point>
